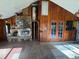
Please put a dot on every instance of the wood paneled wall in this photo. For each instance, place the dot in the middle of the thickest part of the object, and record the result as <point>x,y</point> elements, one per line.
<point>2,31</point>
<point>58,14</point>
<point>11,20</point>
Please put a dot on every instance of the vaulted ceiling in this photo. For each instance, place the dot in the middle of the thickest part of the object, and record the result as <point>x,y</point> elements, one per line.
<point>9,7</point>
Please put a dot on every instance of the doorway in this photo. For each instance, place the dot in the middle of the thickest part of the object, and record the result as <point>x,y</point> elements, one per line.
<point>35,31</point>
<point>7,28</point>
<point>57,31</point>
<point>35,22</point>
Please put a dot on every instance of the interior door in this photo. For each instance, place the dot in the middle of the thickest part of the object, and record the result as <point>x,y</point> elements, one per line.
<point>57,31</point>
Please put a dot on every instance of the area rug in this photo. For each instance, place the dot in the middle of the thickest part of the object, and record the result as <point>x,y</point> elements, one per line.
<point>4,52</point>
<point>14,54</point>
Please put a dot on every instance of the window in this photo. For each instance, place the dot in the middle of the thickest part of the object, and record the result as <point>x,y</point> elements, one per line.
<point>69,25</point>
<point>44,8</point>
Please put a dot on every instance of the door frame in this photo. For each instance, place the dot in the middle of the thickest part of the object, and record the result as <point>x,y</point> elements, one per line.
<point>57,25</point>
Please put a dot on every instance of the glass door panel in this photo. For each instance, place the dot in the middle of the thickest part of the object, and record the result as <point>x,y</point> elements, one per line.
<point>53,30</point>
<point>60,30</point>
